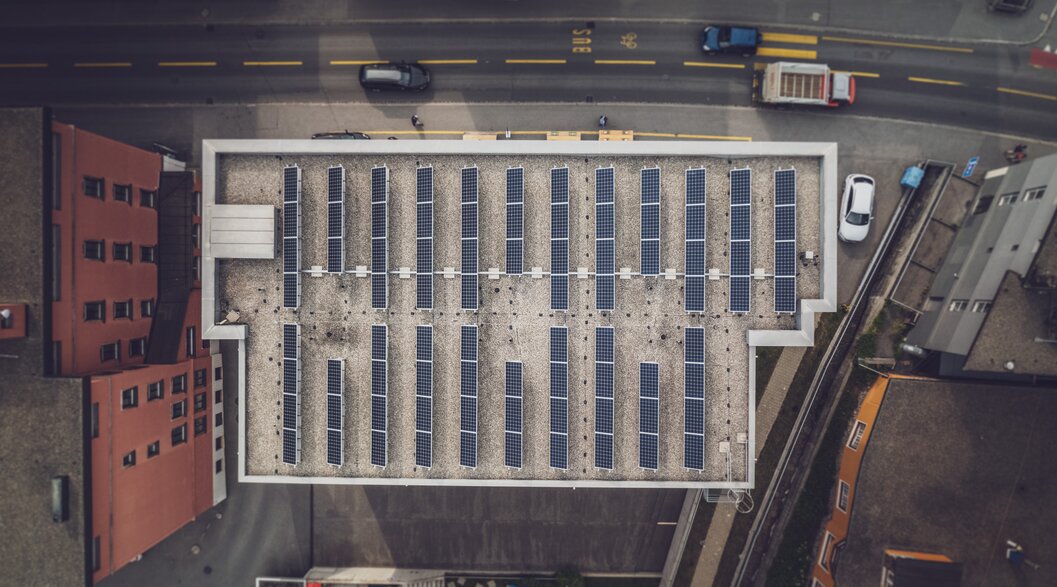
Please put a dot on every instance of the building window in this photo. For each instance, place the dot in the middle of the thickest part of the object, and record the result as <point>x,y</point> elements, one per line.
<point>196,236</point>
<point>958,305</point>
<point>1015,248</point>
<point>56,171</point>
<point>123,193</point>
<point>218,373</point>
<point>95,420</point>
<point>179,434</point>
<point>148,199</point>
<point>56,262</point>
<point>95,250</point>
<point>191,341</point>
<point>153,449</point>
<point>220,465</point>
<point>146,308</point>
<point>822,558</point>
<point>981,306</point>
<point>201,377</point>
<point>856,435</point>
<point>179,409</point>
<point>842,495</point>
<point>219,395</point>
<point>148,254</point>
<point>130,397</point>
<point>123,252</point>
<point>218,419</point>
<point>93,187</point>
<point>156,390</point>
<point>816,583</point>
<point>196,269</point>
<point>219,443</point>
<point>95,311</point>
<point>205,344</point>
<point>179,384</point>
<point>1007,199</point>
<point>110,352</point>
<point>197,203</point>
<point>1034,194</point>
<point>983,204</point>
<point>137,347</point>
<point>123,309</point>
<point>201,401</point>
<point>201,426</point>
<point>129,459</point>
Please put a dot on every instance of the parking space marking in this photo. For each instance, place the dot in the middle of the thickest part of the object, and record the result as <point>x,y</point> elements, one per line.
<point>897,44</point>
<point>1028,94</point>
<point>537,61</point>
<point>789,38</point>
<point>940,82</point>
<point>624,62</point>
<point>714,64</point>
<point>790,53</point>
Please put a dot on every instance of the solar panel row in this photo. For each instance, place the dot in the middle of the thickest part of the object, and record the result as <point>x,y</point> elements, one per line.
<point>469,238</point>
<point>605,279</point>
<point>650,221</point>
<point>336,219</point>
<point>380,237</point>
<point>468,397</point>
<point>560,238</point>
<point>695,240</point>
<point>291,237</point>
<point>649,413</point>
<point>336,412</point>
<point>604,397</point>
<point>515,219</point>
<point>291,394</point>
<point>694,399</point>
<point>740,240</point>
<point>424,395</point>
<point>785,240</point>
<point>379,393</point>
<point>559,351</point>
<point>513,429</point>
<point>424,246</point>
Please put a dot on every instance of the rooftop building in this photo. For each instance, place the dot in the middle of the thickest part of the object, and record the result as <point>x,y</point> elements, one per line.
<point>510,313</point>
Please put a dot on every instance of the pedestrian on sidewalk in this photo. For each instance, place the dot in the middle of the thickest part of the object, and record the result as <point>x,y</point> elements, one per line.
<point>416,121</point>
<point>602,120</point>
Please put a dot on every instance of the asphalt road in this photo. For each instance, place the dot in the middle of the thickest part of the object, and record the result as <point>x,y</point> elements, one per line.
<point>985,87</point>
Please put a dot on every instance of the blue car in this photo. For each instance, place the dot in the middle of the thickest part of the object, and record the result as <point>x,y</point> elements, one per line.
<point>730,39</point>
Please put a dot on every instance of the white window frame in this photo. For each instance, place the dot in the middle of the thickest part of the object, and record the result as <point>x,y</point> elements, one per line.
<point>857,432</point>
<point>981,306</point>
<point>843,492</point>
<point>1034,194</point>
<point>1008,199</point>
<point>958,306</point>
<point>826,542</point>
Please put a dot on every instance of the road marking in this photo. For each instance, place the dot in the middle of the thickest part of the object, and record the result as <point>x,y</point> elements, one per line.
<point>790,53</point>
<point>941,82</point>
<point>667,523</point>
<point>355,62</point>
<point>859,73</point>
<point>676,135</point>
<point>448,61</point>
<point>624,62</point>
<point>788,38</point>
<point>667,135</point>
<point>540,61</point>
<point>897,44</point>
<point>23,65</point>
<point>714,64</point>
<point>1028,94</point>
<point>187,64</point>
<point>104,64</point>
<point>270,63</point>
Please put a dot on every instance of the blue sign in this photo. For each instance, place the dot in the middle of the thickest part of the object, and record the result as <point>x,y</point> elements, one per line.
<point>970,167</point>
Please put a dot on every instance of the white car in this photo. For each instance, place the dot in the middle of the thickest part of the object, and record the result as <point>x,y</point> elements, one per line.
<point>856,208</point>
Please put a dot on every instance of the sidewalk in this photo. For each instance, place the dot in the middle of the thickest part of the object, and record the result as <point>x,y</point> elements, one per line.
<point>964,22</point>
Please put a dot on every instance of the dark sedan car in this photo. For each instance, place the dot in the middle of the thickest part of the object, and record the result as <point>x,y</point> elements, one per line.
<point>394,76</point>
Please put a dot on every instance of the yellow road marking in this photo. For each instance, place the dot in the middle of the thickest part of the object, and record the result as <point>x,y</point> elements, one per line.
<point>714,64</point>
<point>624,62</point>
<point>270,63</point>
<point>791,53</point>
<point>541,61</point>
<point>942,82</point>
<point>668,135</point>
<point>859,73</point>
<point>787,38</point>
<point>679,135</point>
<point>22,65</point>
<point>364,62</point>
<point>1028,94</point>
<point>187,64</point>
<point>897,44</point>
<point>448,61</point>
<point>104,64</point>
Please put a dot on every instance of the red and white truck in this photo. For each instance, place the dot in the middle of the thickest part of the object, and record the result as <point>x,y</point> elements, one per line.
<point>812,84</point>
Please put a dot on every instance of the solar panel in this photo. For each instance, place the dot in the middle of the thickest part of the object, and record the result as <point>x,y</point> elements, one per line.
<point>694,398</point>
<point>424,246</point>
<point>740,239</point>
<point>513,427</point>
<point>785,240</point>
<point>335,412</point>
<point>515,219</point>
<point>695,240</point>
<point>560,238</point>
<point>379,394</point>
<point>650,221</point>
<point>559,355</point>
<point>424,395</point>
<point>468,397</point>
<point>336,219</point>
<point>605,234</point>
<point>380,237</point>
<point>604,397</point>
<point>292,237</point>
<point>649,414</point>
<point>291,419</point>
<point>469,241</point>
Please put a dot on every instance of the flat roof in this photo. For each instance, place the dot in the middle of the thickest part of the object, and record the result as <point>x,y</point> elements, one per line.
<point>514,316</point>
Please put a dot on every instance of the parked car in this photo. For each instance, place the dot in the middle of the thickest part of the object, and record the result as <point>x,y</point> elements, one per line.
<point>856,208</point>
<point>342,134</point>
<point>394,76</point>
<point>730,39</point>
